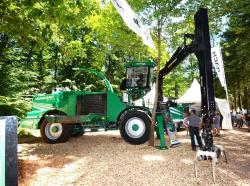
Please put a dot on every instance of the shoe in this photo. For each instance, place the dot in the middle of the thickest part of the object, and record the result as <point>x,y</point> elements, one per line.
<point>201,147</point>
<point>193,149</point>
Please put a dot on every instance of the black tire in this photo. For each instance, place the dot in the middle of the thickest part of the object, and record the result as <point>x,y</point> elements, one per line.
<point>61,137</point>
<point>76,132</point>
<point>134,127</point>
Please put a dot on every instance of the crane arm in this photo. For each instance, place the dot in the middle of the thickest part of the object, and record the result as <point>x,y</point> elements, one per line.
<point>201,47</point>
<point>179,55</point>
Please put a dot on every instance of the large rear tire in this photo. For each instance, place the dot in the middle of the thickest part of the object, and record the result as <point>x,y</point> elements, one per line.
<point>134,127</point>
<point>55,132</point>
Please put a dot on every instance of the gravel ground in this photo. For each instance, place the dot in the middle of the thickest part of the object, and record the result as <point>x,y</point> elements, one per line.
<point>103,158</point>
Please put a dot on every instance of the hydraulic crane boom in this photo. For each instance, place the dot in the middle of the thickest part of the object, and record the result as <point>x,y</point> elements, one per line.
<point>180,54</point>
<point>200,46</point>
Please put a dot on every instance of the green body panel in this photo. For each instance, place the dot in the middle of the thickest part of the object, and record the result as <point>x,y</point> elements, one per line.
<point>43,103</point>
<point>75,119</point>
<point>30,122</point>
<point>114,106</point>
<point>66,102</point>
<point>177,113</point>
<point>32,119</point>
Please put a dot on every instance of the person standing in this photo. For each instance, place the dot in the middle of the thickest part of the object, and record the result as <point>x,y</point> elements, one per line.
<point>185,121</point>
<point>194,131</point>
<point>233,116</point>
<point>247,120</point>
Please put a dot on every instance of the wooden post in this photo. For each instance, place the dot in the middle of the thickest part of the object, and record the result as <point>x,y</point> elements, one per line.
<point>151,136</point>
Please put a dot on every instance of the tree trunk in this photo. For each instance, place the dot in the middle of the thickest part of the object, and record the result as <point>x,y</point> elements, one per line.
<point>30,53</point>
<point>55,65</point>
<point>238,94</point>
<point>4,44</point>
<point>235,106</point>
<point>41,69</point>
<point>151,136</point>
<point>239,101</point>
<point>245,98</point>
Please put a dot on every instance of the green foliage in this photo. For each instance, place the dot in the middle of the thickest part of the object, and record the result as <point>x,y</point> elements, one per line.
<point>41,41</point>
<point>236,53</point>
<point>23,133</point>
<point>14,106</point>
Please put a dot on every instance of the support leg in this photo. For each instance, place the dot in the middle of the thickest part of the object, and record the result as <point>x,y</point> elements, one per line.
<point>160,122</point>
<point>213,168</point>
<point>225,155</point>
<point>196,167</point>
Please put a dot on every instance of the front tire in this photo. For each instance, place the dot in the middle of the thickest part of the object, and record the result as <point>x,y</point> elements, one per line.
<point>134,127</point>
<point>55,132</point>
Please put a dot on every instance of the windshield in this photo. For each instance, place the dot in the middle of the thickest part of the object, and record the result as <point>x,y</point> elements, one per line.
<point>137,77</point>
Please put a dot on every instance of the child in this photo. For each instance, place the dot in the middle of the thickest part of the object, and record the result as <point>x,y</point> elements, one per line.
<point>170,130</point>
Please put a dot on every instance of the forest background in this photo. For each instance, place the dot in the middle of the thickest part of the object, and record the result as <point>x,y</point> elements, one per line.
<point>41,41</point>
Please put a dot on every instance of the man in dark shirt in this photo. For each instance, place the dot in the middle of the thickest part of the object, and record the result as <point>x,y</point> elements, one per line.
<point>247,120</point>
<point>194,124</point>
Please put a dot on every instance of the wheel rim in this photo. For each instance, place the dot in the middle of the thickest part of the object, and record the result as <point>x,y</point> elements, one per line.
<point>135,127</point>
<point>53,130</point>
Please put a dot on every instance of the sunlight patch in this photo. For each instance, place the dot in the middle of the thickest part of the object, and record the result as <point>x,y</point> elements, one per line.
<point>184,140</point>
<point>45,170</point>
<point>34,157</point>
<point>149,157</point>
<point>187,161</point>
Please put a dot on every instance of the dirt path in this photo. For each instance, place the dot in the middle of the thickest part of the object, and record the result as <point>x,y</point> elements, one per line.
<point>103,158</point>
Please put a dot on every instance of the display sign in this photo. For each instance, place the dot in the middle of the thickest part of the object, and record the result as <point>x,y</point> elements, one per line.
<point>8,151</point>
<point>2,152</point>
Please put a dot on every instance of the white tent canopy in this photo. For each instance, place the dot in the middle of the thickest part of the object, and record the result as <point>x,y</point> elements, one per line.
<point>193,95</point>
